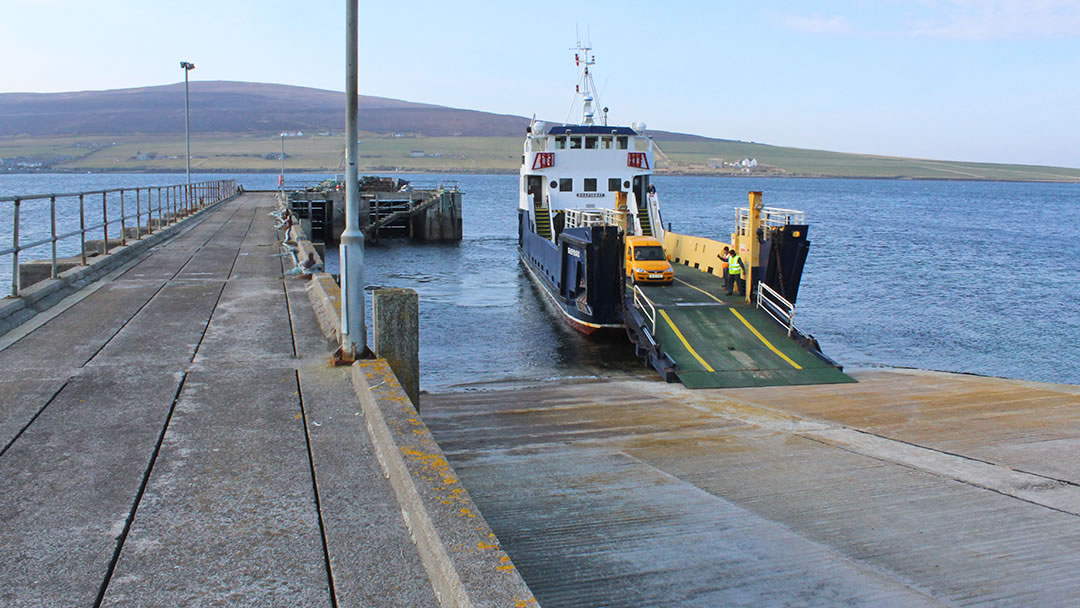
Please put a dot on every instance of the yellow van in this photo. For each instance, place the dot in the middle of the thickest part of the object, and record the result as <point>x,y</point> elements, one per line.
<point>646,262</point>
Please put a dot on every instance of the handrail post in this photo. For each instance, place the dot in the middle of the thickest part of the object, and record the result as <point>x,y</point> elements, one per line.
<point>52,231</point>
<point>82,228</point>
<point>105,221</point>
<point>15,254</point>
<point>123,231</point>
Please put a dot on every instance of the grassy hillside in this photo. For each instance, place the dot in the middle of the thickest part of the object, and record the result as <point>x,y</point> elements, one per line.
<point>236,127</point>
<point>249,152</point>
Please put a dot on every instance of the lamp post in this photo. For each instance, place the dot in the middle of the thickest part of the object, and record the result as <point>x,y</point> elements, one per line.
<point>353,330</point>
<point>281,178</point>
<point>187,67</point>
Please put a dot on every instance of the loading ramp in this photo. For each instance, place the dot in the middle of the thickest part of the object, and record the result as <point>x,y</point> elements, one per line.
<point>692,331</point>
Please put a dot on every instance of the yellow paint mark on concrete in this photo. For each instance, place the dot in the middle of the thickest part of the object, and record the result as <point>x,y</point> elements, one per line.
<point>449,480</point>
<point>524,603</point>
<point>467,513</point>
<point>506,568</point>
<point>764,341</point>
<point>483,545</point>
<point>689,348</point>
<point>504,558</point>
<point>299,416</point>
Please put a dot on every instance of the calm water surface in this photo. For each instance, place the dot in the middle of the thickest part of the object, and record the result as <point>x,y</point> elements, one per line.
<point>960,276</point>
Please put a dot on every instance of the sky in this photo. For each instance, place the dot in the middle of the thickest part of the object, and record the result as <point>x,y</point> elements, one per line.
<point>968,80</point>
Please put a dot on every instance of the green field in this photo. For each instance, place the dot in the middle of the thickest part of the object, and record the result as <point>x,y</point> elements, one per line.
<point>240,153</point>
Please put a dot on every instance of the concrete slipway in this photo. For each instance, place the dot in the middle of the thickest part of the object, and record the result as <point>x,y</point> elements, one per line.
<point>909,488</point>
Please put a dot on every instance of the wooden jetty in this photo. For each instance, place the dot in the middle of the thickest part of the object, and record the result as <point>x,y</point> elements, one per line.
<point>389,208</point>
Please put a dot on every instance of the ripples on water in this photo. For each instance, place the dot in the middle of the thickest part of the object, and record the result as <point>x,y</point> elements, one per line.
<point>960,276</point>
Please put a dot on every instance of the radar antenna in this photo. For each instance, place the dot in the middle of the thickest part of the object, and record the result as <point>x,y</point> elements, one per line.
<point>583,58</point>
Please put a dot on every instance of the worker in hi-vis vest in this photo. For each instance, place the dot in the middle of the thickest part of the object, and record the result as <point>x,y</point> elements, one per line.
<point>734,268</point>
<point>723,256</point>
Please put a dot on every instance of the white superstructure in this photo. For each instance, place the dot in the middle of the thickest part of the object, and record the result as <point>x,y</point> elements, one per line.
<point>588,166</point>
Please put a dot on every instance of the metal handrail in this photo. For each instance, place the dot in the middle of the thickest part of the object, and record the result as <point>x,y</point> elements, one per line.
<point>771,217</point>
<point>650,314</point>
<point>576,218</point>
<point>173,203</point>
<point>776,306</point>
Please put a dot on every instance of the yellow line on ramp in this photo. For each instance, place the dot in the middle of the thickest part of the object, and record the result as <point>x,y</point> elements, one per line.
<point>762,338</point>
<point>689,349</point>
<point>701,290</point>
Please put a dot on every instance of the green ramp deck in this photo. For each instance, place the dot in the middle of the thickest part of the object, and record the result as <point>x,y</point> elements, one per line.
<point>719,341</point>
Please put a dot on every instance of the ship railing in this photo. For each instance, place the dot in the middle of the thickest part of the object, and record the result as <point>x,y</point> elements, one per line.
<point>646,307</point>
<point>136,212</point>
<point>771,217</point>
<point>776,306</point>
<point>580,218</point>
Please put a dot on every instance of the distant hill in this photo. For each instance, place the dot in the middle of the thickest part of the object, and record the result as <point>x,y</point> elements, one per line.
<point>241,107</point>
<point>235,127</point>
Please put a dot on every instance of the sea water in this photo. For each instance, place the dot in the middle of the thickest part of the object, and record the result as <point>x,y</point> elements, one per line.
<point>977,277</point>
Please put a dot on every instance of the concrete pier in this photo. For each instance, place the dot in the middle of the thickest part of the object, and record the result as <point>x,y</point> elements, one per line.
<point>176,436</point>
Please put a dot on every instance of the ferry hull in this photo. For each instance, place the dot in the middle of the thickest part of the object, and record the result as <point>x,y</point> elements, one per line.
<point>579,275</point>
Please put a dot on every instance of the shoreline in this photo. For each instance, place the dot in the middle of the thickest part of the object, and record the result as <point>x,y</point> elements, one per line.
<point>400,171</point>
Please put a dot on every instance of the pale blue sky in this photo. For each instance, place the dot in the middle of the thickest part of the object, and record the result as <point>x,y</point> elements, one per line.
<point>993,80</point>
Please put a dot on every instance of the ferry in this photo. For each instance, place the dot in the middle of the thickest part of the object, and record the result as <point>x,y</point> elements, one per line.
<point>584,187</point>
<point>591,236</point>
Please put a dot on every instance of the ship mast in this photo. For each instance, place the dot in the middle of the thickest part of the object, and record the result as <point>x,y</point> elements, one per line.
<point>583,59</point>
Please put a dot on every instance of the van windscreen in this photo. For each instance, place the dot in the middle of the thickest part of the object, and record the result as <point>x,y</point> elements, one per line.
<point>652,252</point>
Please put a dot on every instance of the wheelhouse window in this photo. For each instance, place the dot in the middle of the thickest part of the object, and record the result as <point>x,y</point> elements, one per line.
<point>622,142</point>
<point>606,142</point>
<point>566,184</point>
<point>590,184</point>
<point>560,142</point>
<point>613,184</point>
<point>590,142</point>
<point>575,143</point>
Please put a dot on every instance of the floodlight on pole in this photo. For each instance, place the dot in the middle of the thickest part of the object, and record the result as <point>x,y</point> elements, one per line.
<point>281,178</point>
<point>187,66</point>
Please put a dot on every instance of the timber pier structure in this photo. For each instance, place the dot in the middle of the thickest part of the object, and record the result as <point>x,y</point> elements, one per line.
<point>172,433</point>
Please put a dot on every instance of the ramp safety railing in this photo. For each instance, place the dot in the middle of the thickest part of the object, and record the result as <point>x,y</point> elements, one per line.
<point>776,306</point>
<point>646,307</point>
<point>67,217</point>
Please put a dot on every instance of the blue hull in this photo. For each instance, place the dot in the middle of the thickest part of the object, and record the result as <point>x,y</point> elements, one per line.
<point>580,275</point>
